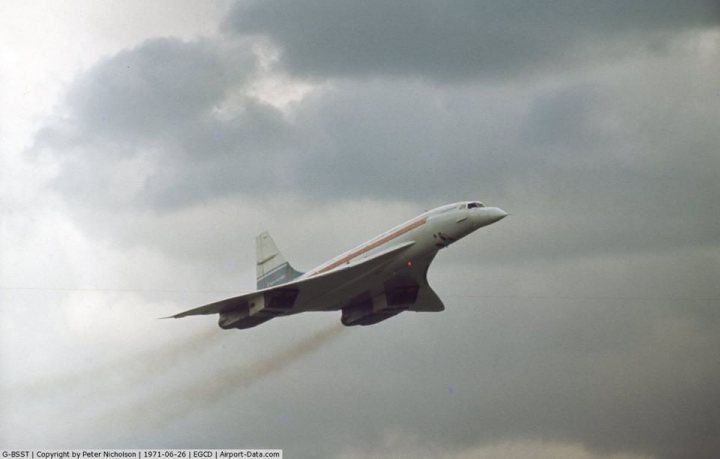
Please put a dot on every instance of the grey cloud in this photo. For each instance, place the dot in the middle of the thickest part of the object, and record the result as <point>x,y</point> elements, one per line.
<point>164,84</point>
<point>603,157</point>
<point>153,110</point>
<point>460,39</point>
<point>588,165</point>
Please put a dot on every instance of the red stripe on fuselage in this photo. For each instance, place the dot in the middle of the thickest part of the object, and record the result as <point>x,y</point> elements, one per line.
<point>374,245</point>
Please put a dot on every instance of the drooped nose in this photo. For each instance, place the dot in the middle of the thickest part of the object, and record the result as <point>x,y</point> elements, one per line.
<point>487,215</point>
<point>496,214</point>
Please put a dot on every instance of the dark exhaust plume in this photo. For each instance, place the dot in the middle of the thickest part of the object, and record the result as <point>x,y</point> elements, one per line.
<point>174,403</point>
<point>119,373</point>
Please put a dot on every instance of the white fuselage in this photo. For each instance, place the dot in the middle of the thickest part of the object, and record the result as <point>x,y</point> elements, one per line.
<point>428,232</point>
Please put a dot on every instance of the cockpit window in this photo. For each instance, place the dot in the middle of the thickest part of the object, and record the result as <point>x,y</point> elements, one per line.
<point>475,204</point>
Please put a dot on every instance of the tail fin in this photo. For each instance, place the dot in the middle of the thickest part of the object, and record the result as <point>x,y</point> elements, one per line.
<point>272,269</point>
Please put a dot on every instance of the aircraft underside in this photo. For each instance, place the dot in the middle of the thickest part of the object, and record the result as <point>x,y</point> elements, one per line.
<point>400,294</point>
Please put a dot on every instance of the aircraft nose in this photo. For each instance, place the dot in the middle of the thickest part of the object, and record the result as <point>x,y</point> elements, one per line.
<point>487,216</point>
<point>496,214</point>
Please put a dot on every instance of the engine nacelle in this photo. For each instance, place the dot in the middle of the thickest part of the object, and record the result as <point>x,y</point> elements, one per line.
<point>369,311</point>
<point>230,319</point>
<point>357,316</point>
<point>259,308</point>
<point>244,322</point>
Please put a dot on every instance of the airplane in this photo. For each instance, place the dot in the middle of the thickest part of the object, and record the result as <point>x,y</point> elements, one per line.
<point>370,283</point>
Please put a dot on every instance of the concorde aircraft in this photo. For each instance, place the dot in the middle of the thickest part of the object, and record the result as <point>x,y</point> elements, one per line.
<point>370,283</point>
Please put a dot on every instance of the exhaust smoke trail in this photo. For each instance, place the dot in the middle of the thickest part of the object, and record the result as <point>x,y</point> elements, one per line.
<point>117,380</point>
<point>119,373</point>
<point>169,405</point>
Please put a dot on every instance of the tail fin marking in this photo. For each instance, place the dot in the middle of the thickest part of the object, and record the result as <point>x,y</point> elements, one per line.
<point>272,268</point>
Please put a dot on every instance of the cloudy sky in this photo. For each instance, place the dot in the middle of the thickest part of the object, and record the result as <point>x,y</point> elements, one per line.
<point>144,145</point>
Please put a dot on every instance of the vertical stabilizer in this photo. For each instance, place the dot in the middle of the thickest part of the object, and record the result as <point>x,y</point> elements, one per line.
<point>272,268</point>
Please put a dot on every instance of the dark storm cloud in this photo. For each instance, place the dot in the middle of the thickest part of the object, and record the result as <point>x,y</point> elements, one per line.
<point>460,39</point>
<point>147,121</point>
<point>544,152</point>
<point>603,159</point>
<point>163,85</point>
<point>179,112</point>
